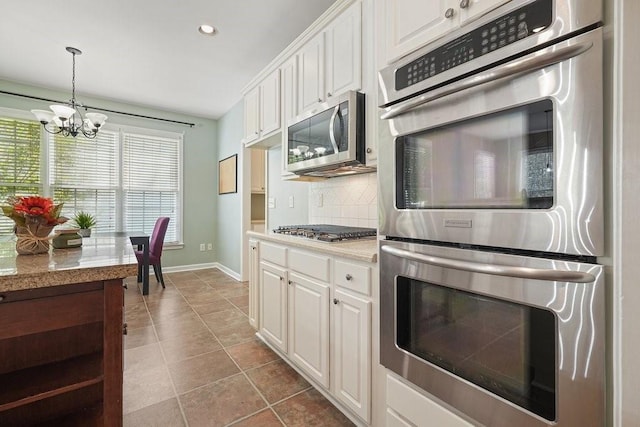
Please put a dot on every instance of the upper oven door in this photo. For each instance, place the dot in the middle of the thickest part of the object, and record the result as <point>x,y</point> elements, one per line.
<point>510,157</point>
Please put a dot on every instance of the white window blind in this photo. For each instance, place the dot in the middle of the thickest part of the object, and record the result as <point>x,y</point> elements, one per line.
<point>126,178</point>
<point>19,162</point>
<point>151,182</point>
<point>83,173</point>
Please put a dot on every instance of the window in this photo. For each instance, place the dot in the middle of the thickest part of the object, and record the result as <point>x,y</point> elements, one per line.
<point>127,178</point>
<point>19,162</point>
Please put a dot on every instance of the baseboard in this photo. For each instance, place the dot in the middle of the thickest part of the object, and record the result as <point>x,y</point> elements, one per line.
<point>193,267</point>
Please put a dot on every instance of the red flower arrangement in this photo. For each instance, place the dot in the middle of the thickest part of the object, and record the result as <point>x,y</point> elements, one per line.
<point>33,210</point>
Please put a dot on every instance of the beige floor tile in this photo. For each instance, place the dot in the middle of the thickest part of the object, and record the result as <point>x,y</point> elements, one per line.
<point>266,418</point>
<point>235,334</point>
<point>162,414</point>
<point>310,409</point>
<point>251,354</point>
<point>143,357</point>
<point>185,346</point>
<point>139,337</point>
<point>201,370</point>
<point>179,326</point>
<point>240,301</point>
<point>146,386</point>
<point>221,403</point>
<point>223,319</point>
<point>137,316</point>
<point>277,380</point>
<point>212,306</point>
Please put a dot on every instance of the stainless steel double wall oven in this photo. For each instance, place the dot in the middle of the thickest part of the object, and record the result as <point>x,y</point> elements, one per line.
<point>492,299</point>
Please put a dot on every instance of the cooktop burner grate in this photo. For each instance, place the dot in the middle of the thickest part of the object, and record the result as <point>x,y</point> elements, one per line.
<point>326,232</point>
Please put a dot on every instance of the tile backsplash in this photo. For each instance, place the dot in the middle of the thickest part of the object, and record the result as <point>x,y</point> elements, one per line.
<point>349,200</point>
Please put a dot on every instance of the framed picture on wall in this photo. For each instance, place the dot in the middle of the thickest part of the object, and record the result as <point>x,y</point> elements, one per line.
<point>228,175</point>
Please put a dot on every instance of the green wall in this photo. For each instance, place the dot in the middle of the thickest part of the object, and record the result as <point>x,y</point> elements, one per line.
<point>229,209</point>
<point>200,153</point>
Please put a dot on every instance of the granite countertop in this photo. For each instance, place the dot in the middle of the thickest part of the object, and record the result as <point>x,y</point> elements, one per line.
<point>99,258</point>
<point>361,249</point>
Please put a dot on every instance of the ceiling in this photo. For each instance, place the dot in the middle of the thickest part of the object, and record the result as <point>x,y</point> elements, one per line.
<point>149,52</point>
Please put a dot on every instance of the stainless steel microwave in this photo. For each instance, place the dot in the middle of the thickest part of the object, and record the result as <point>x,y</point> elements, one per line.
<point>330,142</point>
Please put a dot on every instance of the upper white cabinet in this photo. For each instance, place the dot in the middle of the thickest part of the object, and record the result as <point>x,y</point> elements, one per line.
<point>262,109</point>
<point>258,175</point>
<point>330,63</point>
<point>410,24</point>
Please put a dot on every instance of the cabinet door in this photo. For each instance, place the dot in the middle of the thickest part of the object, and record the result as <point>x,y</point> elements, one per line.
<point>257,171</point>
<point>251,115</point>
<point>343,52</point>
<point>414,23</point>
<point>273,304</point>
<point>476,8</point>
<point>254,291</point>
<point>270,104</point>
<point>309,326</point>
<point>289,73</point>
<point>352,352</point>
<point>311,82</point>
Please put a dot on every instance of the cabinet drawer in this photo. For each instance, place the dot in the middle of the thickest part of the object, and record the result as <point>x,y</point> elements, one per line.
<point>273,253</point>
<point>316,266</point>
<point>417,408</point>
<point>353,276</point>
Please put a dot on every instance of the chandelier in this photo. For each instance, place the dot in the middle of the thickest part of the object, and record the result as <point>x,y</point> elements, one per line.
<point>67,119</point>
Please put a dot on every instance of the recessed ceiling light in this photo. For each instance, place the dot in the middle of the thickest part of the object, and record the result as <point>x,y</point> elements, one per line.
<point>207,30</point>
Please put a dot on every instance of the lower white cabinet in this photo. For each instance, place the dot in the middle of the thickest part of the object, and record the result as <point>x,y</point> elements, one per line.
<point>309,326</point>
<point>352,351</point>
<point>254,291</point>
<point>273,304</point>
<point>316,309</point>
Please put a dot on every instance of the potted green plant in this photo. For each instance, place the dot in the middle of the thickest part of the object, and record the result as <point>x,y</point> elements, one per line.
<point>84,221</point>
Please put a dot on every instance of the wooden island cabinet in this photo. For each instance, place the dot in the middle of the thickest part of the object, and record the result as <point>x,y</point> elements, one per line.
<point>61,326</point>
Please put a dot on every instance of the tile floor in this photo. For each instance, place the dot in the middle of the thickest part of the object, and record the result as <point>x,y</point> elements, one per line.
<point>192,359</point>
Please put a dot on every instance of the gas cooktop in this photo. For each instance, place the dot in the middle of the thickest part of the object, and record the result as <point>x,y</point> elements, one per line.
<point>326,232</point>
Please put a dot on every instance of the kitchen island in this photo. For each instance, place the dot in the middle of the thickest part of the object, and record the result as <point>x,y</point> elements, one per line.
<point>61,337</point>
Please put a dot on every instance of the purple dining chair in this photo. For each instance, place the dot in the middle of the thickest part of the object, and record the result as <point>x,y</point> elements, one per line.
<point>155,249</point>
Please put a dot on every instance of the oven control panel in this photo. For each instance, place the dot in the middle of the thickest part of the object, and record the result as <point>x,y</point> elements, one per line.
<point>500,32</point>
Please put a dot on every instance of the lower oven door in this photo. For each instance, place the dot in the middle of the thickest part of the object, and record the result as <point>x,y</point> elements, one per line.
<point>505,339</point>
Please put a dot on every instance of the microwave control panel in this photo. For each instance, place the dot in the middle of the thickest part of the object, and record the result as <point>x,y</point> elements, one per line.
<point>500,32</point>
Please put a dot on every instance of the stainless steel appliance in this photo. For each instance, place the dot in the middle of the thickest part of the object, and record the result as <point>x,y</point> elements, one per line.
<point>327,232</point>
<point>491,184</point>
<point>330,142</point>
<point>505,339</point>
<point>502,148</point>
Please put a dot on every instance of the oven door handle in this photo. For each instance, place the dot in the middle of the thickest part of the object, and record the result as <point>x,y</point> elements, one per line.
<point>535,61</point>
<point>494,269</point>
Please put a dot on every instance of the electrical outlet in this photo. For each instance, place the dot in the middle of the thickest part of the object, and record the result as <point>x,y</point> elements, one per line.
<point>290,201</point>
<point>209,246</point>
<point>201,246</point>
<point>272,203</point>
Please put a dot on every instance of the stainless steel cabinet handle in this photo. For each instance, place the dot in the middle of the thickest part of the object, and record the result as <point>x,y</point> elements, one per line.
<point>369,150</point>
<point>531,62</point>
<point>494,269</point>
<point>328,94</point>
<point>290,282</point>
<point>1,298</point>
<point>464,4</point>
<point>319,99</point>
<point>336,301</point>
<point>125,329</point>
<point>348,277</point>
<point>449,13</point>
<point>281,279</point>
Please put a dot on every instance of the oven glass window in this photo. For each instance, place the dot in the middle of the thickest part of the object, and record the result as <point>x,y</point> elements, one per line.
<point>506,348</point>
<point>498,161</point>
<point>320,135</point>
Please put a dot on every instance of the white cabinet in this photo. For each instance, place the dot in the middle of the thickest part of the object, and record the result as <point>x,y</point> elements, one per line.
<point>262,109</point>
<point>352,351</point>
<point>309,326</point>
<point>410,24</point>
<point>343,47</point>
<point>289,90</point>
<point>254,280</point>
<point>316,309</point>
<point>257,171</point>
<point>273,304</point>
<point>331,62</point>
<point>311,82</point>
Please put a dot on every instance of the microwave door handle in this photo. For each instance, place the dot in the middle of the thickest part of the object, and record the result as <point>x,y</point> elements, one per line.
<point>332,135</point>
<point>494,269</point>
<point>532,62</point>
